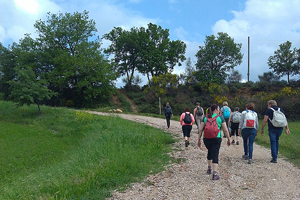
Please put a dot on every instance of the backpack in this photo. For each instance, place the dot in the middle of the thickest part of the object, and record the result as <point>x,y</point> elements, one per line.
<point>226,112</point>
<point>168,110</point>
<point>236,117</point>
<point>250,117</point>
<point>187,118</point>
<point>279,119</point>
<point>211,129</point>
<point>199,111</point>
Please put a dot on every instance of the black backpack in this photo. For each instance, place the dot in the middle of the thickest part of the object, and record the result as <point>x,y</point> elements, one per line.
<point>168,110</point>
<point>187,118</point>
<point>199,111</point>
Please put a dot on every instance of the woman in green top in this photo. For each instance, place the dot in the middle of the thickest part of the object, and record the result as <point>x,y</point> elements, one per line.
<point>213,145</point>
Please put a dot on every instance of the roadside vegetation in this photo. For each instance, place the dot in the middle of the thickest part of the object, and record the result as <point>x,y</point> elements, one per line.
<point>68,154</point>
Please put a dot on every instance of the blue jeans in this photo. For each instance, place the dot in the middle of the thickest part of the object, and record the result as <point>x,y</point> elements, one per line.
<point>274,135</point>
<point>248,135</point>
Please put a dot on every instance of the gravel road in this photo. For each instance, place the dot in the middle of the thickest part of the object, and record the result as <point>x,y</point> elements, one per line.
<point>238,179</point>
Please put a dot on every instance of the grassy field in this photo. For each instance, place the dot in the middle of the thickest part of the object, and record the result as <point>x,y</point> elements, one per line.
<point>67,154</point>
<point>289,145</point>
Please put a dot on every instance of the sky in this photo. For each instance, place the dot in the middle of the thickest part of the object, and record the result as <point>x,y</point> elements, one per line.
<point>267,23</point>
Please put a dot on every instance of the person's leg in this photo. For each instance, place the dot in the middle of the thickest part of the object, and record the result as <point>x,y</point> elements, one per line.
<point>245,135</point>
<point>216,144</point>
<point>278,134</point>
<point>207,143</point>
<point>273,136</point>
<point>189,129</point>
<point>168,121</point>
<point>198,118</point>
<point>252,134</point>
<point>184,130</point>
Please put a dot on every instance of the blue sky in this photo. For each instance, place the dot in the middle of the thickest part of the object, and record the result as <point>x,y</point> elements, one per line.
<point>268,23</point>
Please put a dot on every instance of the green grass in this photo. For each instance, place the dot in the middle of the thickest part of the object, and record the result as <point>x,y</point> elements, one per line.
<point>67,154</point>
<point>289,145</point>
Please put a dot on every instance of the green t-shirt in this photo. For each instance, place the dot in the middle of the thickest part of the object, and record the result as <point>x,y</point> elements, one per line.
<point>220,120</point>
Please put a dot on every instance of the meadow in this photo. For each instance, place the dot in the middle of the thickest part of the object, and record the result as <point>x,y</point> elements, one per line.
<point>69,154</point>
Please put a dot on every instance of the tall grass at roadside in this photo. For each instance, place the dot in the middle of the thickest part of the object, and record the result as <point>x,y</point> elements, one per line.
<point>289,145</point>
<point>67,154</point>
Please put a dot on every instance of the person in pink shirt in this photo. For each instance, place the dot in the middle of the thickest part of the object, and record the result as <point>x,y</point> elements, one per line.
<point>186,120</point>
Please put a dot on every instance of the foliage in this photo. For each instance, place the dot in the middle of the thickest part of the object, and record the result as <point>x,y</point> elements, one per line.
<point>218,55</point>
<point>149,51</point>
<point>234,77</point>
<point>283,61</point>
<point>268,77</point>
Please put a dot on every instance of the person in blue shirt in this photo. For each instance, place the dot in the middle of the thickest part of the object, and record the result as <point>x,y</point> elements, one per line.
<point>274,132</point>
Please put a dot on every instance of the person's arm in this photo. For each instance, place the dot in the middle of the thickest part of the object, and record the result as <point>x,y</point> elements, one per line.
<point>195,111</point>
<point>224,127</point>
<point>287,130</point>
<point>266,117</point>
<point>181,118</point>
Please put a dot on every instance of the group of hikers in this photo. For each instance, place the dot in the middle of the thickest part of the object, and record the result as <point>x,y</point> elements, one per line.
<point>216,122</point>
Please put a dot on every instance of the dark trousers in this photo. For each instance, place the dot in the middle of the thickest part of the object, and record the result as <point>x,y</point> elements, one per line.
<point>213,147</point>
<point>168,120</point>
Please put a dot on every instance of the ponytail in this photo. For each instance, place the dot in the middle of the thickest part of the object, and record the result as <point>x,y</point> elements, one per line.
<point>211,109</point>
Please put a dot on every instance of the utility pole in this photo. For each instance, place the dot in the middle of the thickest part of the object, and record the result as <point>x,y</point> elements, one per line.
<point>248,74</point>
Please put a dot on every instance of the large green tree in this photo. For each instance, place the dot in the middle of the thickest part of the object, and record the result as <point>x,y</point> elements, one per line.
<point>160,54</point>
<point>146,50</point>
<point>71,58</point>
<point>283,62</point>
<point>7,71</point>
<point>126,49</point>
<point>218,55</point>
<point>27,86</point>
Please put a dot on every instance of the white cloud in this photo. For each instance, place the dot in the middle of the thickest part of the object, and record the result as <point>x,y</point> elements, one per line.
<point>20,16</point>
<point>268,23</point>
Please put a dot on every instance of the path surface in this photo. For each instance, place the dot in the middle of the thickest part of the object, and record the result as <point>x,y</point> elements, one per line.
<point>238,179</point>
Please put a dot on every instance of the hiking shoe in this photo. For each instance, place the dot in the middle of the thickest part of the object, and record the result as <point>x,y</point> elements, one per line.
<point>245,157</point>
<point>273,161</point>
<point>209,170</point>
<point>232,142</point>
<point>250,161</point>
<point>237,143</point>
<point>186,143</point>
<point>215,177</point>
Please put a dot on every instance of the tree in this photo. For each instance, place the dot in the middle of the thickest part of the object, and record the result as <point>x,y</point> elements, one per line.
<point>148,51</point>
<point>28,86</point>
<point>218,55</point>
<point>159,54</point>
<point>268,77</point>
<point>70,56</point>
<point>7,64</point>
<point>234,77</point>
<point>283,61</point>
<point>126,49</point>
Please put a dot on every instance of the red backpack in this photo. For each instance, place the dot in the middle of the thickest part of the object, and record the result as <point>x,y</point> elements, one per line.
<point>211,129</point>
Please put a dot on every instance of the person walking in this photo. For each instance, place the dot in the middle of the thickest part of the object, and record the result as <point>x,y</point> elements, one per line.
<point>168,113</point>
<point>234,125</point>
<point>186,120</point>
<point>211,127</point>
<point>248,127</point>
<point>226,113</point>
<point>198,113</point>
<point>275,129</point>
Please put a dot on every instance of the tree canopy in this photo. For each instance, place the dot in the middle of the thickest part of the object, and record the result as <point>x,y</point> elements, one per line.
<point>284,61</point>
<point>218,55</point>
<point>148,51</point>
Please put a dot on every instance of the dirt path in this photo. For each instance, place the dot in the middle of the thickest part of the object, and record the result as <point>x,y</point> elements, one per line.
<point>239,180</point>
